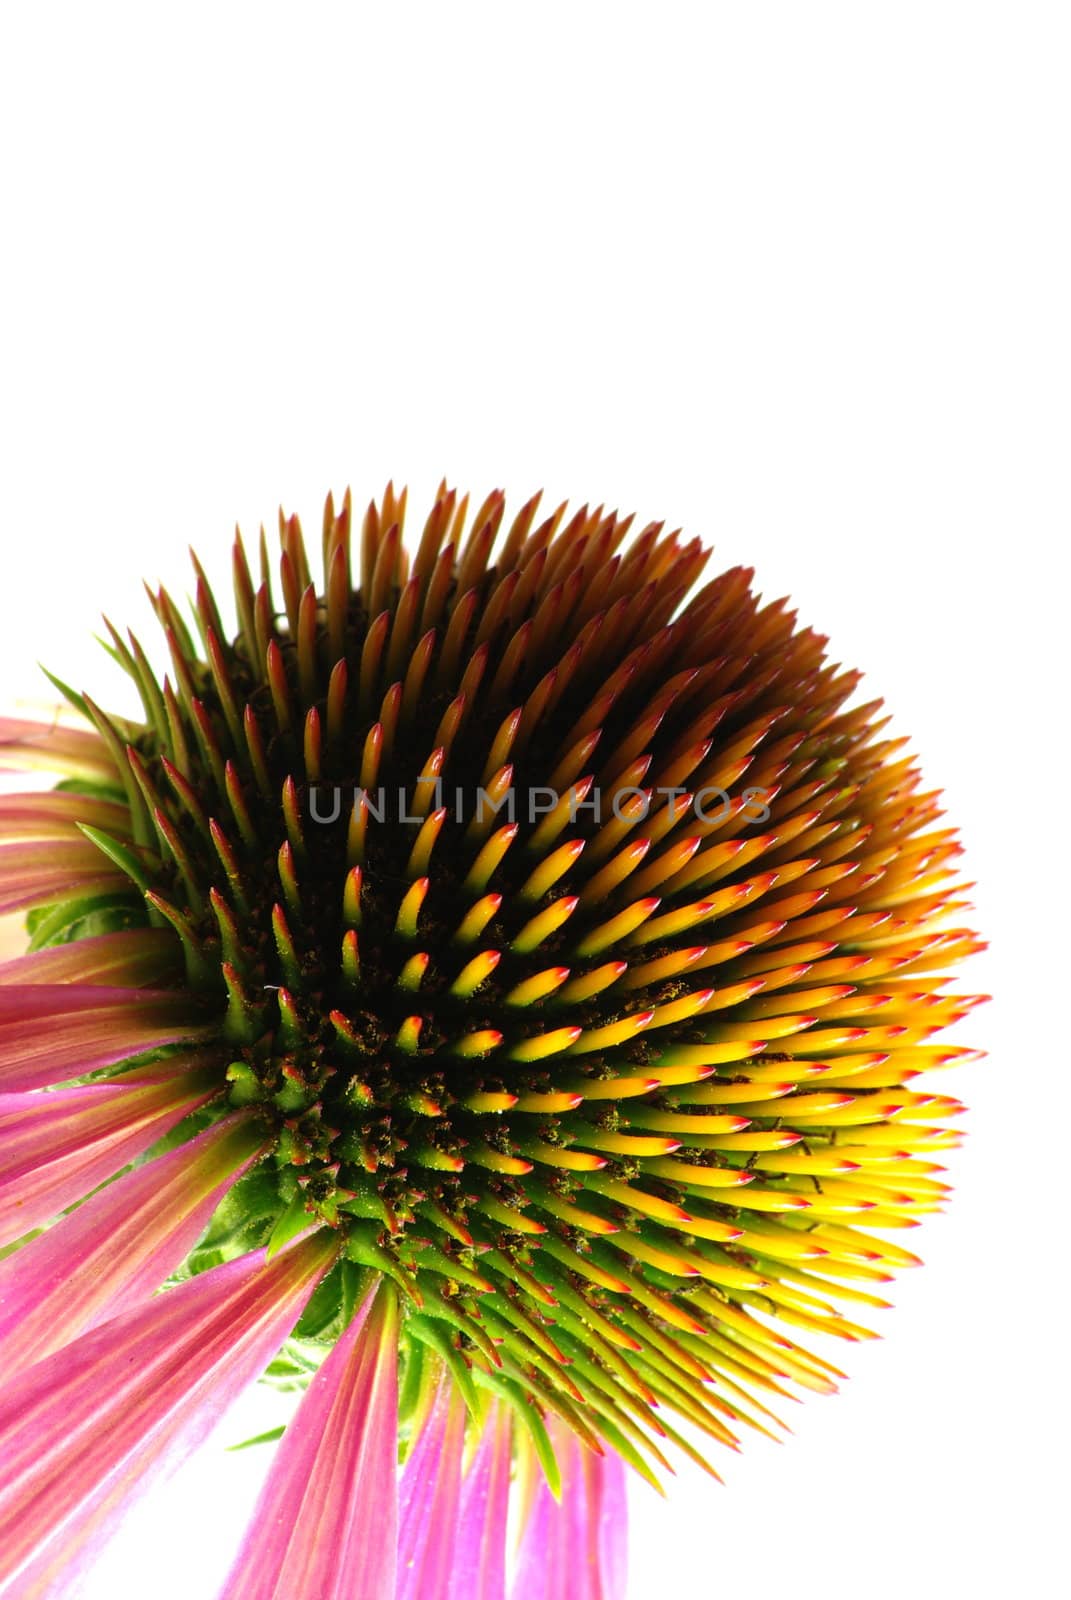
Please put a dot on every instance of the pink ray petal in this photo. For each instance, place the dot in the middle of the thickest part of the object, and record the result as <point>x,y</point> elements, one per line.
<point>36,874</point>
<point>479,1567</point>
<point>83,1432</point>
<point>429,1498</point>
<point>575,1549</point>
<point>51,1032</point>
<point>326,1522</point>
<point>612,1501</point>
<point>56,815</point>
<point>55,1148</point>
<point>45,1000</point>
<point>52,747</point>
<point>33,890</point>
<point>132,958</point>
<point>537,1570</point>
<point>43,855</point>
<point>118,1247</point>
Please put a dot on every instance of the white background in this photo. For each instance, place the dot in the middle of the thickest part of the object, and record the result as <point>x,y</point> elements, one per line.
<point>794,277</point>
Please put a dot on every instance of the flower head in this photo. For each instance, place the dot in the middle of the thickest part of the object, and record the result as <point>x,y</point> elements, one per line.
<point>511,963</point>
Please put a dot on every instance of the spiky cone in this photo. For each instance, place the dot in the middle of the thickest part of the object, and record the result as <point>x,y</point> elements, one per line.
<point>519,963</point>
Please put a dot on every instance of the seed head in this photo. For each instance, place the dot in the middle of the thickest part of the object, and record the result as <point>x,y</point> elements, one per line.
<point>572,940</point>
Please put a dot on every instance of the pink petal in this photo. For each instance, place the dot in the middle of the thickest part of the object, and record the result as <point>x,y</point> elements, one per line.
<point>429,1498</point>
<point>31,891</point>
<point>575,1549</point>
<point>56,815</point>
<point>35,874</point>
<point>116,1248</point>
<point>56,1147</point>
<point>133,958</point>
<point>326,1523</point>
<point>83,1432</point>
<point>52,747</point>
<point>610,1497</point>
<point>44,1000</point>
<point>537,1570</point>
<point>51,1032</point>
<point>479,1567</point>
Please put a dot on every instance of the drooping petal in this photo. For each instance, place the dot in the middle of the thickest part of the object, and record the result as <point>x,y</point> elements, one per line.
<point>115,1249</point>
<point>574,1549</point>
<point>479,1567</point>
<point>55,1148</point>
<point>327,1521</point>
<point>40,1001</point>
<point>53,747</point>
<point>50,1032</point>
<point>56,815</point>
<point>36,874</point>
<point>132,958</point>
<point>612,1502</point>
<point>82,1432</point>
<point>429,1497</point>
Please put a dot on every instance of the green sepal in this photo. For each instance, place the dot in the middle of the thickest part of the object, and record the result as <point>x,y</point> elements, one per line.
<point>331,1305</point>
<point>363,1247</point>
<point>10,1248</point>
<point>260,1438</point>
<point>427,1258</point>
<point>72,696</point>
<point>93,789</point>
<point>83,918</point>
<point>200,974</point>
<point>437,1304</point>
<point>626,1450</point>
<point>121,854</point>
<point>116,740</point>
<point>293,1368</point>
<point>241,1222</point>
<point>246,1088</point>
<point>515,1397</point>
<point>194,1123</point>
<point>294,1220</point>
<point>430,1333</point>
<point>367,1202</point>
<point>687,1447</point>
<point>293,1097</point>
<point>411,1387</point>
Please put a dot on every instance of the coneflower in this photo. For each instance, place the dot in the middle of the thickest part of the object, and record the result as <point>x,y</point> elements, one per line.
<point>504,969</point>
